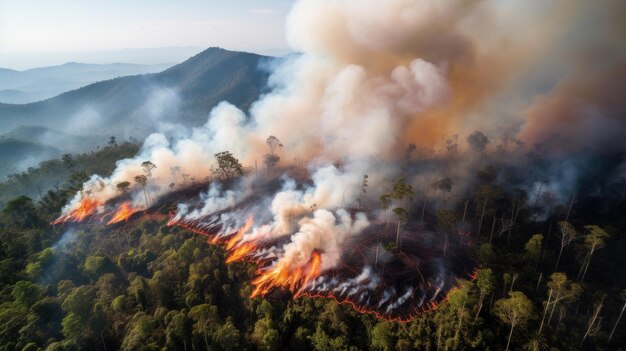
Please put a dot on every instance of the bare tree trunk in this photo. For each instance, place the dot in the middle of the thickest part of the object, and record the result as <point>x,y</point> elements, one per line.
<point>556,298</point>
<point>145,195</point>
<point>513,279</point>
<point>510,334</point>
<point>398,241</point>
<point>545,311</point>
<point>617,321</point>
<point>592,324</point>
<point>481,297</point>
<point>587,264</point>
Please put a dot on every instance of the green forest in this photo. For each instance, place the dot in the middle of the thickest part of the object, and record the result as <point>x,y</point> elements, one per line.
<point>553,284</point>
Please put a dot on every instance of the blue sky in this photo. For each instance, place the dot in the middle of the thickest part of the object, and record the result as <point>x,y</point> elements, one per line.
<point>36,31</point>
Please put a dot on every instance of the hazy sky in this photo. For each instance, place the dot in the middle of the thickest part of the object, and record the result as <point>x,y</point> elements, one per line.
<point>40,32</point>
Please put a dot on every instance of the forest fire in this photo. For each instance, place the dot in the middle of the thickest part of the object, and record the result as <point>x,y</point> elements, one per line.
<point>123,213</point>
<point>85,208</point>
<point>353,257</point>
<point>389,283</point>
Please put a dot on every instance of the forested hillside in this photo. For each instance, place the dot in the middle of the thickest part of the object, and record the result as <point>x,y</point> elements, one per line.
<point>68,171</point>
<point>554,283</point>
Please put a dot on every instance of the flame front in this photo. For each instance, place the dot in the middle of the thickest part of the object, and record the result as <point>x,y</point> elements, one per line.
<point>85,208</point>
<point>280,274</point>
<point>236,247</point>
<point>284,276</point>
<point>124,212</point>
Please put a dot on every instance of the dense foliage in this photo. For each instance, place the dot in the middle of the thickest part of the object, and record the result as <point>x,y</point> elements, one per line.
<point>145,286</point>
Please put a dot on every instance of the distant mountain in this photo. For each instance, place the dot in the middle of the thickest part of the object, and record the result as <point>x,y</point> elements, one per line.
<point>36,84</point>
<point>19,97</point>
<point>135,105</point>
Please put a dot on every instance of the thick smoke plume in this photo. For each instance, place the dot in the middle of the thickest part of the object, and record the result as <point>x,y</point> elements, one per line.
<point>371,78</point>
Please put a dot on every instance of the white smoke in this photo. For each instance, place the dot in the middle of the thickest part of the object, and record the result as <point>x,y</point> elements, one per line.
<point>340,108</point>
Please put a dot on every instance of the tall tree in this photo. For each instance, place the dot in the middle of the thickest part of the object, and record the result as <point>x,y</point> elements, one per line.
<point>447,221</point>
<point>385,204</point>
<point>148,167</point>
<point>402,191</point>
<point>515,311</point>
<point>402,217</point>
<point>485,196</point>
<point>533,248</point>
<point>568,234</point>
<point>271,159</point>
<point>562,290</point>
<point>485,281</point>
<point>594,239</point>
<point>227,165</point>
<point>594,322</point>
<point>143,181</point>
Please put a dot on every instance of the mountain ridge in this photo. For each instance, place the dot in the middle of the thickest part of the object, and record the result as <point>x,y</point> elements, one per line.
<point>196,85</point>
<point>35,84</point>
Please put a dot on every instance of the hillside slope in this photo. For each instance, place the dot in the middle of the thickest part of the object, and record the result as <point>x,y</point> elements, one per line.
<point>134,105</point>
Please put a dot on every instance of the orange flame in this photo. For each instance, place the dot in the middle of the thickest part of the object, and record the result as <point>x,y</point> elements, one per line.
<point>123,213</point>
<point>238,249</point>
<point>240,252</point>
<point>236,239</point>
<point>85,208</point>
<point>282,275</point>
